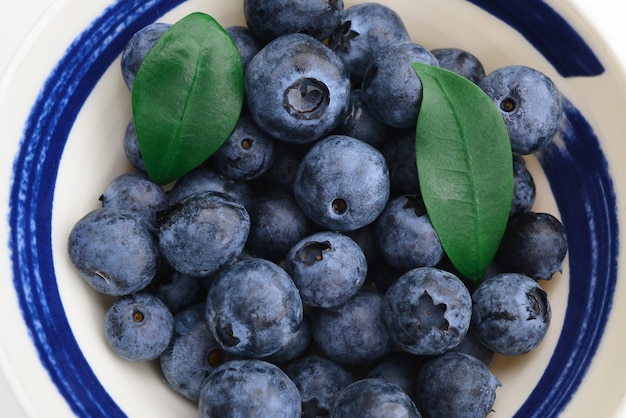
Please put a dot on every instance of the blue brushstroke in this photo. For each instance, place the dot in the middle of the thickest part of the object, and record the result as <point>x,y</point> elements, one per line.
<point>548,32</point>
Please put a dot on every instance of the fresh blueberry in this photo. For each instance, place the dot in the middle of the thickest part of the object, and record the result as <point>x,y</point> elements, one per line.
<point>253,308</point>
<point>360,123</point>
<point>328,268</point>
<point>276,224</point>
<point>355,333</point>
<point>246,153</point>
<point>392,90</point>
<point>524,190</point>
<point>461,62</point>
<point>132,149</point>
<point>365,29</point>
<point>114,251</point>
<point>138,47</point>
<point>204,178</point>
<point>246,43</point>
<point>297,345</point>
<point>269,19</point>
<point>177,290</point>
<point>342,183</point>
<point>474,347</point>
<point>455,385</point>
<point>427,311</point>
<point>250,389</point>
<point>279,177</point>
<point>137,193</point>
<point>319,381</point>
<point>399,152</point>
<point>534,244</point>
<point>405,235</point>
<point>138,327</point>
<point>374,398</point>
<point>297,89</point>
<point>192,355</point>
<point>510,313</point>
<point>203,232</point>
<point>366,240</point>
<point>529,103</point>
<point>400,368</point>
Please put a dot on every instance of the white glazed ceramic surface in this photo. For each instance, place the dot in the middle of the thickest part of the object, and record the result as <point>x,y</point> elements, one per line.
<point>91,156</point>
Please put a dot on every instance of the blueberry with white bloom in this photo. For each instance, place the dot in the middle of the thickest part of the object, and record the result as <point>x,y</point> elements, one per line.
<point>138,47</point>
<point>374,398</point>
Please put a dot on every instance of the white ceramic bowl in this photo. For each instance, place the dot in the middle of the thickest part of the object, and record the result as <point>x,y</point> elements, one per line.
<point>63,112</point>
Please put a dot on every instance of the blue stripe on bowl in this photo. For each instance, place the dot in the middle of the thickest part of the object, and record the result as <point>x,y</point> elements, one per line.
<point>575,167</point>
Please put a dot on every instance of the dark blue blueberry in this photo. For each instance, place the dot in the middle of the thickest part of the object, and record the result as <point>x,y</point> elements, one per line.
<point>297,345</point>
<point>279,177</point>
<point>534,244</point>
<point>138,47</point>
<point>131,148</point>
<point>138,327</point>
<point>529,103</point>
<point>524,190</point>
<point>203,232</point>
<point>355,333</point>
<point>276,224</point>
<point>247,152</point>
<point>382,275</point>
<point>328,268</point>
<point>297,89</point>
<point>455,385</point>
<point>177,290</point>
<point>400,368</point>
<point>204,179</point>
<point>374,398</point>
<point>391,89</point>
<point>510,313</point>
<point>269,19</point>
<point>137,193</point>
<point>365,29</point>
<point>247,45</point>
<point>192,355</point>
<point>366,239</point>
<point>427,311</point>
<point>405,236</point>
<point>114,251</point>
<point>360,123</point>
<point>319,381</point>
<point>342,183</point>
<point>461,62</point>
<point>474,347</point>
<point>399,152</point>
<point>253,308</point>
<point>250,389</point>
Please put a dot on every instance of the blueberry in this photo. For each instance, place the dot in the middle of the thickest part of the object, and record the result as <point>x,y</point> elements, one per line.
<point>510,313</point>
<point>253,308</point>
<point>524,190</point>
<point>399,152</point>
<point>177,290</point>
<point>328,268</point>
<point>529,103</point>
<point>400,368</point>
<point>360,123</point>
<point>461,62</point>
<point>276,224</point>
<point>192,355</point>
<point>138,327</point>
<point>251,389</point>
<point>353,334</point>
<point>427,311</point>
<point>391,89</point>
<point>534,244</point>
<point>342,183</point>
<point>365,29</point>
<point>137,193</point>
<point>374,398</point>
<point>203,232</point>
<point>319,381</point>
<point>297,89</point>
<point>269,19</point>
<point>132,149</point>
<point>279,177</point>
<point>472,346</point>
<point>455,385</point>
<point>138,47</point>
<point>246,43</point>
<point>405,235</point>
<point>246,153</point>
<point>114,251</point>
<point>297,345</point>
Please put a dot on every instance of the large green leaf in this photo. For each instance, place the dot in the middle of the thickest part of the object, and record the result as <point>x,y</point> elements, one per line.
<point>465,168</point>
<point>187,96</point>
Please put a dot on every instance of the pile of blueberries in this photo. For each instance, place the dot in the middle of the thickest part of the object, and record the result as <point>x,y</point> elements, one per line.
<point>296,272</point>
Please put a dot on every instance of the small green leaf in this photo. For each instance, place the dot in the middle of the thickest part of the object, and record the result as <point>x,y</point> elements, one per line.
<point>187,96</point>
<point>465,168</point>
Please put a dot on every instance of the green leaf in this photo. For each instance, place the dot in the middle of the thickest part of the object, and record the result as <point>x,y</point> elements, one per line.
<point>465,168</point>
<point>187,96</point>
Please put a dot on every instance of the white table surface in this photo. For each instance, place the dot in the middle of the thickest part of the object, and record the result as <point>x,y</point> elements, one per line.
<point>17,18</point>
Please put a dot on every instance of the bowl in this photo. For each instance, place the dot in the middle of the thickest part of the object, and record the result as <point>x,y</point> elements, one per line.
<point>64,109</point>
